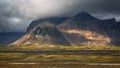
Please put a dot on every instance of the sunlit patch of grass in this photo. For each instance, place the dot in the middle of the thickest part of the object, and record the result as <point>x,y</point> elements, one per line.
<point>31,57</point>
<point>9,56</point>
<point>40,58</point>
<point>70,58</point>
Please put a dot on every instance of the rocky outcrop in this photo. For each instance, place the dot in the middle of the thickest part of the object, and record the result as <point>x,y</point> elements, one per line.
<point>80,29</point>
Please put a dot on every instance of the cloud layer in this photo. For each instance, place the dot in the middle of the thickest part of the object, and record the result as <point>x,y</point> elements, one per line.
<point>16,15</point>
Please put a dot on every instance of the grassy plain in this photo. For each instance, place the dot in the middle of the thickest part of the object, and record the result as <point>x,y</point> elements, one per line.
<point>59,59</point>
<point>58,47</point>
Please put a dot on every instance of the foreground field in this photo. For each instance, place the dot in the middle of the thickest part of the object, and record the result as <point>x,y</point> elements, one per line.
<point>59,57</point>
<point>61,60</point>
<point>57,65</point>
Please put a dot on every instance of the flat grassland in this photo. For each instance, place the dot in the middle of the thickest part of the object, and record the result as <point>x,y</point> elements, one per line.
<point>59,57</point>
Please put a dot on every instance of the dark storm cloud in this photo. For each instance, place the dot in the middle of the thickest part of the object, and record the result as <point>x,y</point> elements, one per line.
<point>16,15</point>
<point>10,18</point>
<point>110,5</point>
<point>106,9</point>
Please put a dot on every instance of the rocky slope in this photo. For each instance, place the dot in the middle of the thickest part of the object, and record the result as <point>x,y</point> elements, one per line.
<point>80,29</point>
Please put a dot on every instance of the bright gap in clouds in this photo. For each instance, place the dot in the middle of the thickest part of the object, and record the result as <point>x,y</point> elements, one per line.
<point>15,20</point>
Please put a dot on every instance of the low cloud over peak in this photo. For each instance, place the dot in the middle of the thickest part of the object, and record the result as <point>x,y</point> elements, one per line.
<point>16,15</point>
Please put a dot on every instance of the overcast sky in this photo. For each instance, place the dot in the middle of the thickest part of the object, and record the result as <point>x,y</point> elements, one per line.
<point>16,15</point>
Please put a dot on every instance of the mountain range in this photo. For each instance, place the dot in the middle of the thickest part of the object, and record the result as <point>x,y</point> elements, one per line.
<point>80,29</point>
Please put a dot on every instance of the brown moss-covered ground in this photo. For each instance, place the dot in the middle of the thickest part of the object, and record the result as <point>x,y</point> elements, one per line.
<point>60,57</point>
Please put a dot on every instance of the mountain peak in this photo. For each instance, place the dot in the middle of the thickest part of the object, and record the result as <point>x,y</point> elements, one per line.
<point>84,15</point>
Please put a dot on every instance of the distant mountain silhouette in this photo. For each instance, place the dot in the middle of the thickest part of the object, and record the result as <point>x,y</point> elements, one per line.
<point>81,29</point>
<point>8,38</point>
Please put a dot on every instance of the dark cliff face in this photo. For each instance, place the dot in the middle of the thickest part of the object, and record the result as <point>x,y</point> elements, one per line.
<point>49,35</point>
<point>80,29</point>
<point>55,21</point>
